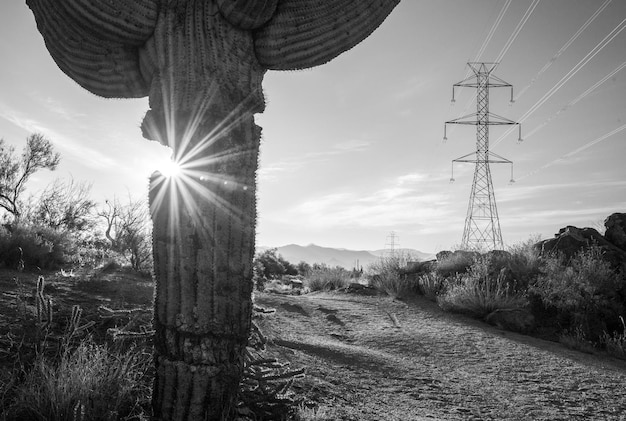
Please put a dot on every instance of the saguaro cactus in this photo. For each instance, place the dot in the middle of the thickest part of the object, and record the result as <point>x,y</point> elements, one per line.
<point>201,62</point>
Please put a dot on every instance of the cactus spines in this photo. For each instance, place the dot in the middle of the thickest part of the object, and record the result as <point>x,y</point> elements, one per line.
<point>247,14</point>
<point>201,63</point>
<point>304,34</point>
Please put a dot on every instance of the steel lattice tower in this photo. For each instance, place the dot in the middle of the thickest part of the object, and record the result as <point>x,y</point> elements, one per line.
<point>482,224</point>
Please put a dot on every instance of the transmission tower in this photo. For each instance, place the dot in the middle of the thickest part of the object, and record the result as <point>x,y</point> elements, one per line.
<point>391,244</point>
<point>482,224</point>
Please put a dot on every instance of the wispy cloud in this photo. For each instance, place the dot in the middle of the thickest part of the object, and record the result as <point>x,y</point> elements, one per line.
<point>275,170</point>
<point>56,107</point>
<point>67,145</point>
<point>408,199</point>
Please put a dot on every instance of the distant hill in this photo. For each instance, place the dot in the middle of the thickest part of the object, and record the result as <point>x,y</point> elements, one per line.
<point>338,257</point>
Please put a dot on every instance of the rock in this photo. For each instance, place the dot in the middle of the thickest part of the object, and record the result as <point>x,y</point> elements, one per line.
<point>570,240</point>
<point>296,283</point>
<point>442,255</point>
<point>616,230</point>
<point>498,255</point>
<point>513,319</point>
<point>418,268</point>
<point>356,288</point>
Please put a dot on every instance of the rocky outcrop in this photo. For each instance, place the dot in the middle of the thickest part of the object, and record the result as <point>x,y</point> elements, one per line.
<point>616,230</point>
<point>571,240</point>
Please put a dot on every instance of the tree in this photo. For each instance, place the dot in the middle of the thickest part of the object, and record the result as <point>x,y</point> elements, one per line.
<point>201,63</point>
<point>127,227</point>
<point>274,265</point>
<point>15,171</point>
<point>63,206</point>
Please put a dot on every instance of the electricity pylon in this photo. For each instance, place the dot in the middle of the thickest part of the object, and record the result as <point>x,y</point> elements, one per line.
<point>391,244</point>
<point>482,224</point>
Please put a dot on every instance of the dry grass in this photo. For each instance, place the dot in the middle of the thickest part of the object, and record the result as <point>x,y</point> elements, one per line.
<point>327,279</point>
<point>615,344</point>
<point>87,383</point>
<point>478,294</point>
<point>432,285</point>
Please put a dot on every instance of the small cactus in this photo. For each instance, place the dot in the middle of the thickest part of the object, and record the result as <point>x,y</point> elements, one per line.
<point>43,306</point>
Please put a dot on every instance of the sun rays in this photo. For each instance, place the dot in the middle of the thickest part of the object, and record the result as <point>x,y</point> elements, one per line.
<point>212,167</point>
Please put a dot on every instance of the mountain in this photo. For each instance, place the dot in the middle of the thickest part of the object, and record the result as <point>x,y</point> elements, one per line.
<point>338,257</point>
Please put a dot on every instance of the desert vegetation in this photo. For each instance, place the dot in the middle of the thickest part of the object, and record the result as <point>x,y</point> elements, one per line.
<point>72,349</point>
<point>579,301</point>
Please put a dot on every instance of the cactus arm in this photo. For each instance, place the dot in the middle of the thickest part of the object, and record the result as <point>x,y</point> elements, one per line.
<point>247,14</point>
<point>94,55</point>
<point>308,33</point>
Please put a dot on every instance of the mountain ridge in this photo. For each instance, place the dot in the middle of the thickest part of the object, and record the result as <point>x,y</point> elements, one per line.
<point>346,258</point>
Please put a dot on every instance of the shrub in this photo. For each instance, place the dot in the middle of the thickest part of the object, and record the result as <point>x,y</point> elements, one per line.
<point>583,292</point>
<point>577,339</point>
<point>324,278</point>
<point>431,285</point>
<point>388,275</point>
<point>615,344</point>
<point>477,293</point>
<point>89,382</point>
<point>43,247</point>
<point>525,262</point>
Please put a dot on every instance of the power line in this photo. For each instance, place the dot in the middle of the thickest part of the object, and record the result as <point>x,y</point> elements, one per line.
<point>507,46</point>
<point>562,49</point>
<point>575,151</point>
<point>576,100</point>
<point>517,30</point>
<point>490,34</point>
<point>599,47</point>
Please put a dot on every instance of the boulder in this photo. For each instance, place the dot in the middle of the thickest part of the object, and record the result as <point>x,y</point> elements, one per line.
<point>443,254</point>
<point>570,240</point>
<point>616,230</point>
<point>513,319</point>
<point>418,268</point>
<point>360,289</point>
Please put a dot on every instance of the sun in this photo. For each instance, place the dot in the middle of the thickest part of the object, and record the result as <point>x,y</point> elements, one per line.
<point>170,168</point>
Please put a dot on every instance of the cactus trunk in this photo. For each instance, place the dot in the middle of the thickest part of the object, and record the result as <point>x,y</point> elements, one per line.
<point>203,248</point>
<point>204,220</point>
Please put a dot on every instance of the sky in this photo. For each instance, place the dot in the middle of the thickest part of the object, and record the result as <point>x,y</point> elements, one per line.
<point>354,149</point>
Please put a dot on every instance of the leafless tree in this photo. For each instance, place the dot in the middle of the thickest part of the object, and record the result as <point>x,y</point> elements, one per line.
<point>63,205</point>
<point>15,171</point>
<point>127,227</point>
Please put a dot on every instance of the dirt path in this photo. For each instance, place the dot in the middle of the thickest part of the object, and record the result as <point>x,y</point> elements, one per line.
<point>372,358</point>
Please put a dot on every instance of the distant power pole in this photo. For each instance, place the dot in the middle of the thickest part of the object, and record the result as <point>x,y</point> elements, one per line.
<point>391,244</point>
<point>482,224</point>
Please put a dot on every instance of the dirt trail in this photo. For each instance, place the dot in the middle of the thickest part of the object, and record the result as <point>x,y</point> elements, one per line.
<point>379,359</point>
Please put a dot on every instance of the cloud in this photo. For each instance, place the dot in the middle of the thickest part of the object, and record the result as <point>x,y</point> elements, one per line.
<point>67,145</point>
<point>275,170</point>
<point>411,199</point>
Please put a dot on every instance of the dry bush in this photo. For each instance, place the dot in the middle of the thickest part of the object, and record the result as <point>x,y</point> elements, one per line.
<point>615,344</point>
<point>89,383</point>
<point>431,285</point>
<point>477,293</point>
<point>387,275</point>
<point>584,292</point>
<point>324,278</point>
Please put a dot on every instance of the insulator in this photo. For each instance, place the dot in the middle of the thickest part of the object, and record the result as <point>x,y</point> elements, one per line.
<point>452,180</point>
